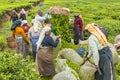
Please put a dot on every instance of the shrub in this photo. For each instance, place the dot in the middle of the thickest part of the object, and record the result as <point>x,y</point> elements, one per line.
<point>2,43</point>
<point>13,67</point>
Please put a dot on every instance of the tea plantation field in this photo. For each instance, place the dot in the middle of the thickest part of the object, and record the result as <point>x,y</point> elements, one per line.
<point>105,13</point>
<point>7,5</point>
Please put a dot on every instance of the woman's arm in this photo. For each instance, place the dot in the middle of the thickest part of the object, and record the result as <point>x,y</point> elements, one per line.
<point>52,42</point>
<point>93,50</point>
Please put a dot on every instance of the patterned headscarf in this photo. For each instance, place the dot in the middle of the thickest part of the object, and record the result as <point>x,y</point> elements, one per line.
<point>97,32</point>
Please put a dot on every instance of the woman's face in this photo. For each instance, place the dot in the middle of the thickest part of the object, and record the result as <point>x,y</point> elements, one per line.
<point>48,33</point>
<point>88,33</point>
<point>40,14</point>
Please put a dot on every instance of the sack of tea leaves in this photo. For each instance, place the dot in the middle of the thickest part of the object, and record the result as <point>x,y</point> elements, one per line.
<point>71,55</point>
<point>87,71</point>
<point>119,58</point>
<point>114,53</point>
<point>60,65</point>
<point>67,74</point>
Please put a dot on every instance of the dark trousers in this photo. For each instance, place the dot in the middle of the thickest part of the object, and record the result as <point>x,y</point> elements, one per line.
<point>76,36</point>
<point>34,46</point>
<point>105,62</point>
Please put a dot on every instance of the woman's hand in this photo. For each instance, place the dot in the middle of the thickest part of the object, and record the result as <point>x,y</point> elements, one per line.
<point>59,36</point>
<point>98,69</point>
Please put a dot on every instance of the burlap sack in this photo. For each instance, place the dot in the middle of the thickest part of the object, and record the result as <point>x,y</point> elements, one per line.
<point>87,71</point>
<point>71,55</point>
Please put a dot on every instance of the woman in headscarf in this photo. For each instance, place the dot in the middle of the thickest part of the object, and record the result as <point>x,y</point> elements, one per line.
<point>14,16</point>
<point>78,29</point>
<point>21,39</point>
<point>102,29</point>
<point>26,27</point>
<point>22,14</point>
<point>44,57</point>
<point>102,55</point>
<point>33,35</point>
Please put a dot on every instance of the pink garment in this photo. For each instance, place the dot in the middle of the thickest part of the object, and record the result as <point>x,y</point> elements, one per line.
<point>78,22</point>
<point>22,11</point>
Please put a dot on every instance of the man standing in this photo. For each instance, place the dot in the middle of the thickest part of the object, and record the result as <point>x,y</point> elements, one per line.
<point>39,17</point>
<point>14,16</point>
<point>78,29</point>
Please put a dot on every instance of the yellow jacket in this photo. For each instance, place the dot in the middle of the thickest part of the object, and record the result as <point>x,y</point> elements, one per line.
<point>20,32</point>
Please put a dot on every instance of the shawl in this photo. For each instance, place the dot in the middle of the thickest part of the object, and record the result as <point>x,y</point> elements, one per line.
<point>97,32</point>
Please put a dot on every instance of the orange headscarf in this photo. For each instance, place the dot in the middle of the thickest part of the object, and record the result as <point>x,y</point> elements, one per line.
<point>97,32</point>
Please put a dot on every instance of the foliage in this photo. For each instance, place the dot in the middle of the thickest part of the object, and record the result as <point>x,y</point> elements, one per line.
<point>13,67</point>
<point>8,5</point>
<point>117,67</point>
<point>65,44</point>
<point>2,43</point>
<point>99,11</point>
<point>107,16</point>
<point>60,24</point>
<point>73,65</point>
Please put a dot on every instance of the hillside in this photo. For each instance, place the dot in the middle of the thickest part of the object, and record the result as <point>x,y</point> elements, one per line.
<point>8,5</point>
<point>106,13</point>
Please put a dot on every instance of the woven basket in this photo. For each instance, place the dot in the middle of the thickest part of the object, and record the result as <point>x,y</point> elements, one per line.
<point>11,42</point>
<point>59,10</point>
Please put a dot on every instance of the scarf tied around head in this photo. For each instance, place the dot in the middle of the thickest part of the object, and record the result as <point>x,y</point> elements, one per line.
<point>97,32</point>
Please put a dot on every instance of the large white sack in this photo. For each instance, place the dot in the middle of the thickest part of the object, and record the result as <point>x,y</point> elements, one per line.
<point>117,42</point>
<point>114,53</point>
<point>87,71</point>
<point>117,38</point>
<point>71,55</point>
<point>67,74</point>
<point>60,65</point>
<point>119,58</point>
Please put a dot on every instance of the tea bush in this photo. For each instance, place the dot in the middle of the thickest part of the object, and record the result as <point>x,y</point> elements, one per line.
<point>99,11</point>
<point>2,43</point>
<point>13,67</point>
<point>8,5</point>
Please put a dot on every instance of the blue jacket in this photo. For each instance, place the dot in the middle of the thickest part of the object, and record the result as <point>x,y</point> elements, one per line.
<point>48,41</point>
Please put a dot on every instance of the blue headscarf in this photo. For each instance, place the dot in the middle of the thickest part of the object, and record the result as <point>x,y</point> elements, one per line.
<point>15,24</point>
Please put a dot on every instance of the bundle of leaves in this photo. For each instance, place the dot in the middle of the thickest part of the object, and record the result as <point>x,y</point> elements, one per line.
<point>60,24</point>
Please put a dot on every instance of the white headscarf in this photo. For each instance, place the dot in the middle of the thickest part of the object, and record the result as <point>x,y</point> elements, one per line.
<point>24,22</point>
<point>42,35</point>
